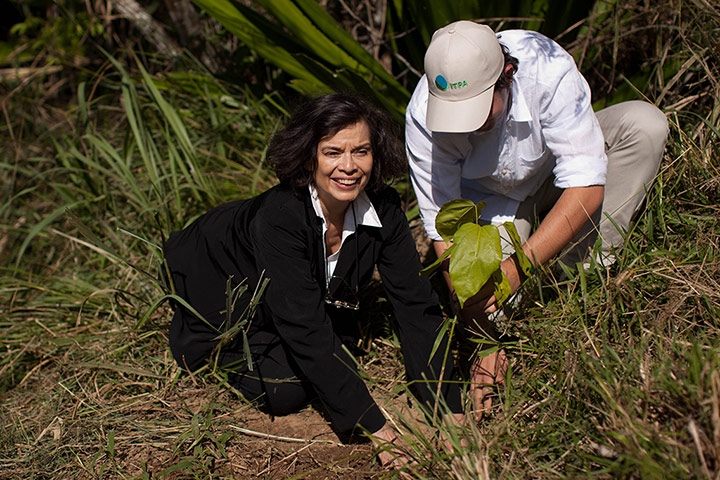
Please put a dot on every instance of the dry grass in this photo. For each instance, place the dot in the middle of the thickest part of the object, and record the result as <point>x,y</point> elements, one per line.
<point>615,373</point>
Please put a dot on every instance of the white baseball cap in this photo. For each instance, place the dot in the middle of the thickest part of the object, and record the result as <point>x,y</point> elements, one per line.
<point>462,64</point>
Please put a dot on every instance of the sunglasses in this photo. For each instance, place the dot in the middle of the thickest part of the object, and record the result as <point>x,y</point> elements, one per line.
<point>345,297</point>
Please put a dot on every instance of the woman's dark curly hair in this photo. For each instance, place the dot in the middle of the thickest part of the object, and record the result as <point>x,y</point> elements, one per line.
<point>293,150</point>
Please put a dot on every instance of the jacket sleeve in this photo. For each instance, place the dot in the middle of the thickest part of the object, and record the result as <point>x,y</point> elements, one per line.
<point>418,313</point>
<point>284,248</point>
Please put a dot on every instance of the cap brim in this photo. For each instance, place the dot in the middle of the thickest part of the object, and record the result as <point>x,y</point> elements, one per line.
<point>458,116</point>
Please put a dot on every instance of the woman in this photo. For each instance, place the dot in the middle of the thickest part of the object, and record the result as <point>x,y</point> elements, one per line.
<point>317,237</point>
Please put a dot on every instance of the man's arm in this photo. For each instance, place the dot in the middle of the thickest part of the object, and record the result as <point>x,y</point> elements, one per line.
<point>569,214</point>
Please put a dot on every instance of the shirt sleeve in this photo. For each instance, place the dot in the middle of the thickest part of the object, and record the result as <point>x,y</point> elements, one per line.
<point>284,250</point>
<point>435,165</point>
<point>570,128</point>
<point>418,315</point>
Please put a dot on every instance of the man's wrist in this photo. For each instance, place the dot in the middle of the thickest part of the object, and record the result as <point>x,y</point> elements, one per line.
<point>520,272</point>
<point>514,273</point>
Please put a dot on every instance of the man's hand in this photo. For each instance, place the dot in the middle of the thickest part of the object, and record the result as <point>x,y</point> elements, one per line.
<point>486,372</point>
<point>452,441</point>
<point>485,300</point>
<point>569,214</point>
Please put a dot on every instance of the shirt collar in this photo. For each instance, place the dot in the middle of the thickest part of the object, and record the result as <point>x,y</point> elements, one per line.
<point>365,213</point>
<point>519,110</point>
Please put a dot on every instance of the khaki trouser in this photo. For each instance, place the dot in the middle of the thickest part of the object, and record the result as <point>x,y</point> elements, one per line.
<point>635,135</point>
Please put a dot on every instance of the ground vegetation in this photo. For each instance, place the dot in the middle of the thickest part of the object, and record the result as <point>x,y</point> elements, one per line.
<point>124,120</point>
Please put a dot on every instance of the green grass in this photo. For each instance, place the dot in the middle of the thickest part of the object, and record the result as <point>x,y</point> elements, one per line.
<point>88,199</point>
<point>615,373</point>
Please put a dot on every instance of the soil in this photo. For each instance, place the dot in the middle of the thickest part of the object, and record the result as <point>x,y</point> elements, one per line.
<point>308,449</point>
<point>195,429</point>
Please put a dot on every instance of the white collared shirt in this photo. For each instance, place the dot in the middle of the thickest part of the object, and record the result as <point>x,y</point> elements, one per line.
<point>549,129</point>
<point>364,214</point>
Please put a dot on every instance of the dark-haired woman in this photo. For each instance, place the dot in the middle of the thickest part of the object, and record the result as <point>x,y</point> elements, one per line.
<point>317,237</point>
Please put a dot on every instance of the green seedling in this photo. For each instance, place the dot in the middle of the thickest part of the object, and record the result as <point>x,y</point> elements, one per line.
<point>475,253</point>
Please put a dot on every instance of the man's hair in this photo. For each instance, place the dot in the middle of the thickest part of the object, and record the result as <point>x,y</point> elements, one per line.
<point>293,151</point>
<point>506,78</point>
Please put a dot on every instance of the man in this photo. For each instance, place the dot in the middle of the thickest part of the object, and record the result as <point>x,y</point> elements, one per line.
<point>506,118</point>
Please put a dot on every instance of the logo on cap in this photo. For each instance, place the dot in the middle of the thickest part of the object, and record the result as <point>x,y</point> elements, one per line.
<point>441,82</point>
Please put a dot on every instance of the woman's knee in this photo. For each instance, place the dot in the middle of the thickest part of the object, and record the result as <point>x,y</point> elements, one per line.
<point>275,396</point>
<point>274,385</point>
<point>286,397</point>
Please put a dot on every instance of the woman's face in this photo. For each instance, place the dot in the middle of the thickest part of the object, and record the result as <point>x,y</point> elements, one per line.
<point>344,163</point>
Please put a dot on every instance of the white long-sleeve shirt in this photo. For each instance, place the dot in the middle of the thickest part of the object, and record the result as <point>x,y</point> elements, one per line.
<point>548,129</point>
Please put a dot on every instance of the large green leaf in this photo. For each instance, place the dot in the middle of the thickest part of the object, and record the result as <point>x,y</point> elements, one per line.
<point>349,80</point>
<point>502,287</point>
<point>348,51</point>
<point>307,34</point>
<point>455,213</point>
<point>525,263</point>
<point>477,255</point>
<point>308,44</point>
<point>239,25</point>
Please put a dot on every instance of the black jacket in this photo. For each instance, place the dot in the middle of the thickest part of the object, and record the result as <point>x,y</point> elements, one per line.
<point>278,233</point>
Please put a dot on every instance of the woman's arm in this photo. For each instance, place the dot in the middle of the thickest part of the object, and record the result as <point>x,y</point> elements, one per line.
<point>417,311</point>
<point>286,250</point>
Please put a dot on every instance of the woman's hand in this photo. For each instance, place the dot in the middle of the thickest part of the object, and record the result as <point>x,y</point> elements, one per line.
<point>389,455</point>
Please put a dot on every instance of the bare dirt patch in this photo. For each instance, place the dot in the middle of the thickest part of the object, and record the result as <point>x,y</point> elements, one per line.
<point>300,445</point>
